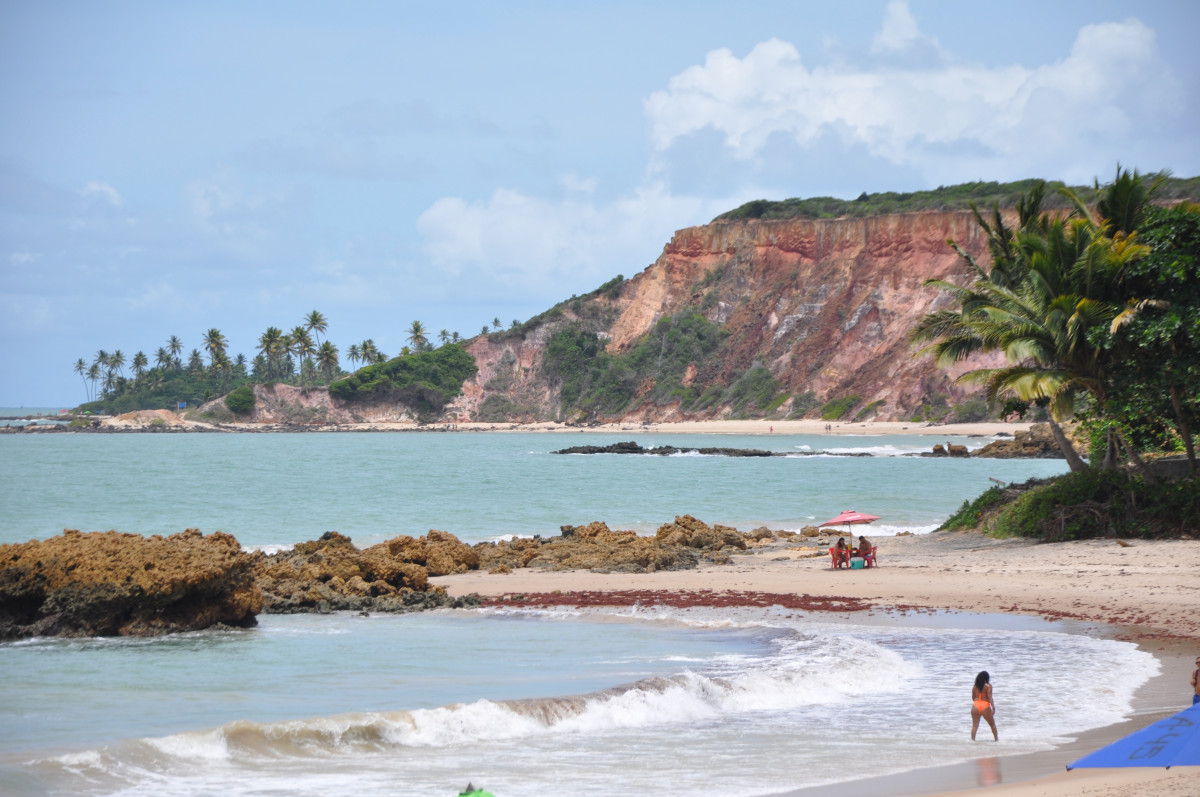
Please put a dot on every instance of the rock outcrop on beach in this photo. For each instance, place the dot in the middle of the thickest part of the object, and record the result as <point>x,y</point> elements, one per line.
<point>331,574</point>
<point>106,583</point>
<point>681,545</point>
<point>1037,443</point>
<point>112,584</point>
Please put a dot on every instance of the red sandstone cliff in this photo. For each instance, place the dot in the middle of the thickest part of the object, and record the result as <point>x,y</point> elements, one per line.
<point>826,305</point>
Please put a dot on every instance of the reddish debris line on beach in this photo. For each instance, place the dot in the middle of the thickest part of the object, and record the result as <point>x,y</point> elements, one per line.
<point>679,599</point>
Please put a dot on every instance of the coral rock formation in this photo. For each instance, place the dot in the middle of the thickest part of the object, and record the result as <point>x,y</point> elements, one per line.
<point>111,584</point>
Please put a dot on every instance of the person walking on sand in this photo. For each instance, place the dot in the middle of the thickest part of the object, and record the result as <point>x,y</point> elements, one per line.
<point>1196,683</point>
<point>982,704</point>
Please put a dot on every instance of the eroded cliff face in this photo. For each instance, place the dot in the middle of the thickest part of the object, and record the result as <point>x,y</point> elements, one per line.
<point>826,305</point>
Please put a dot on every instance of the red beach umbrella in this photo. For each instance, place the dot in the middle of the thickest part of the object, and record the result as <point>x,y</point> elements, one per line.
<point>849,518</point>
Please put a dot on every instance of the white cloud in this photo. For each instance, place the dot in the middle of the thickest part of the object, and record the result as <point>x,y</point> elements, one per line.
<point>946,119</point>
<point>899,31</point>
<point>533,243</point>
<point>23,258</point>
<point>104,191</point>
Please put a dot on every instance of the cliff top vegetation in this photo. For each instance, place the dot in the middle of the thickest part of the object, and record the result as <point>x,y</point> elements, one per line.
<point>949,197</point>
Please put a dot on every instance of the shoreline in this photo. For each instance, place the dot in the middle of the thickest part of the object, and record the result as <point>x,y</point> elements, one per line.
<point>1141,592</point>
<point>167,421</point>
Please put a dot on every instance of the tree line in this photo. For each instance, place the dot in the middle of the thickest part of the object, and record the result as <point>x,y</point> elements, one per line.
<point>298,357</point>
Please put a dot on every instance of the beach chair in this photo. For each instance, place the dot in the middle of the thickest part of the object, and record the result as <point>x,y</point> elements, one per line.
<point>869,559</point>
<point>839,558</point>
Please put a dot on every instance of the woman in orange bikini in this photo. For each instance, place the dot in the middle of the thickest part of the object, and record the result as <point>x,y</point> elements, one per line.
<point>982,705</point>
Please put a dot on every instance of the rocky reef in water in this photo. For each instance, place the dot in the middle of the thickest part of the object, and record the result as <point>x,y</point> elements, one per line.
<point>681,545</point>
<point>631,447</point>
<point>1037,443</point>
<point>112,584</point>
<point>331,574</point>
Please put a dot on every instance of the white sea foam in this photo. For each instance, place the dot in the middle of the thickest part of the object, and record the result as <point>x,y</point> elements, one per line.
<point>802,687</point>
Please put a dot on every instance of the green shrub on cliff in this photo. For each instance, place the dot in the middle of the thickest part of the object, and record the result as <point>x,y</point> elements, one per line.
<point>425,381</point>
<point>836,408</point>
<point>592,380</point>
<point>951,197</point>
<point>240,400</point>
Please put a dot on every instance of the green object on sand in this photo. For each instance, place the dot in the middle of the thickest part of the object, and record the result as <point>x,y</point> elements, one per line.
<point>476,793</point>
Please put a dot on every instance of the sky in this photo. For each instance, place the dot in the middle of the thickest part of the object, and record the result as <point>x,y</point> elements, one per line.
<point>166,168</point>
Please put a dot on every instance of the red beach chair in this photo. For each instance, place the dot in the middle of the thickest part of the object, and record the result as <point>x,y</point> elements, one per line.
<point>840,558</point>
<point>869,559</point>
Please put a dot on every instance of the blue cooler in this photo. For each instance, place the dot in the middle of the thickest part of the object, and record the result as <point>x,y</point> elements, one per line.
<point>856,563</point>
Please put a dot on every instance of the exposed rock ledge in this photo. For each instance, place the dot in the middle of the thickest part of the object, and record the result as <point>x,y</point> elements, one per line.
<point>112,584</point>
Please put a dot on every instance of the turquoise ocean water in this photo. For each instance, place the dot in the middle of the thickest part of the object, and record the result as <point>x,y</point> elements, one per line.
<point>642,701</point>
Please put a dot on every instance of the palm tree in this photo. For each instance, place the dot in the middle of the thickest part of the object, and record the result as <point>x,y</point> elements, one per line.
<point>300,344</point>
<point>215,343</point>
<point>496,324</point>
<point>454,337</point>
<point>484,331</point>
<point>239,364</point>
<point>316,323</point>
<point>417,337</point>
<point>271,345</point>
<point>1054,282</point>
<point>352,353</point>
<point>101,358</point>
<point>327,360</point>
<point>110,381</point>
<point>116,361</point>
<point>175,346</point>
<point>367,351</point>
<point>139,364</point>
<point>93,375</point>
<point>81,369</point>
<point>195,362</point>
<point>162,358</point>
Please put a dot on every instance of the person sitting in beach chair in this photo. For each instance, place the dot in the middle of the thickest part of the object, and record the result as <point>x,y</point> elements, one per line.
<point>867,551</point>
<point>840,554</point>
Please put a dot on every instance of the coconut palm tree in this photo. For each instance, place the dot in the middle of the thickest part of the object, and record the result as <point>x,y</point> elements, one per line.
<point>215,343</point>
<point>81,369</point>
<point>162,358</point>
<point>110,382</point>
<point>195,362</point>
<point>327,360</point>
<point>1055,283</point>
<point>93,375</point>
<point>417,337</point>
<point>444,336</point>
<point>271,345</point>
<point>352,353</point>
<point>496,324</point>
<point>139,364</point>
<point>315,322</point>
<point>116,361</point>
<point>300,344</point>
<point>175,346</point>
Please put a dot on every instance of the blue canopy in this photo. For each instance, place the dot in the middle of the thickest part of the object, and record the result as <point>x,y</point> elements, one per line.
<point>1173,742</point>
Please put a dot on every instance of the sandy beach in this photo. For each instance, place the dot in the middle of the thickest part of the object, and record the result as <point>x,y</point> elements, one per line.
<point>142,419</point>
<point>739,427</point>
<point>1142,591</point>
